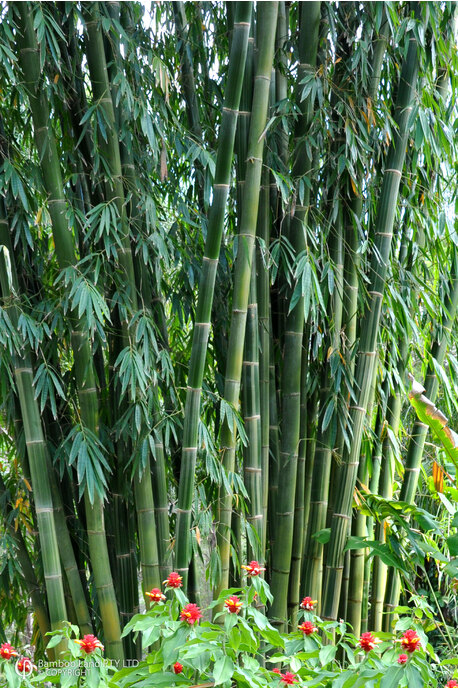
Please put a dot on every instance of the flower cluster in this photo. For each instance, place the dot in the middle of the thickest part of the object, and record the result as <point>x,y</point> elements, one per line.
<point>253,569</point>
<point>452,683</point>
<point>89,644</point>
<point>403,659</point>
<point>7,651</point>
<point>308,628</point>
<point>367,641</point>
<point>233,604</point>
<point>191,614</point>
<point>177,667</point>
<point>287,678</point>
<point>307,603</point>
<point>410,641</point>
<point>173,581</point>
<point>155,595</point>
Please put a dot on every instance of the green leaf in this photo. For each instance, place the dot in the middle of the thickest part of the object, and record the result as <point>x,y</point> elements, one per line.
<point>327,654</point>
<point>323,535</point>
<point>391,676</point>
<point>171,646</point>
<point>223,670</point>
<point>452,543</point>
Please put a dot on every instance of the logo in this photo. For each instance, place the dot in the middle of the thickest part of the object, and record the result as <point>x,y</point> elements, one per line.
<point>24,668</point>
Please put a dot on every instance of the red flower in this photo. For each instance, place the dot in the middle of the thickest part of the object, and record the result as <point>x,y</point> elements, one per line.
<point>253,569</point>
<point>288,678</point>
<point>7,651</point>
<point>89,644</point>
<point>307,603</point>
<point>307,628</point>
<point>233,604</point>
<point>410,641</point>
<point>191,614</point>
<point>25,665</point>
<point>155,595</point>
<point>367,641</point>
<point>177,667</point>
<point>403,659</point>
<point>174,580</point>
<point>452,683</point>
<point>276,670</point>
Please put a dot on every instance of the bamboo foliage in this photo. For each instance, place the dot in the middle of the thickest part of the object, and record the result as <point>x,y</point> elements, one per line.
<point>369,329</point>
<point>46,146</point>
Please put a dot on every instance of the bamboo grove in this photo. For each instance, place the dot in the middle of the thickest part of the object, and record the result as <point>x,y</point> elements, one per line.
<point>227,237</point>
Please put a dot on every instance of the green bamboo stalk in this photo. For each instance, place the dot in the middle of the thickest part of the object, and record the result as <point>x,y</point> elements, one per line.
<point>274,444</point>
<point>28,51</point>
<point>267,16</point>
<point>302,497</point>
<point>252,421</point>
<point>206,288</point>
<point>291,376</point>
<point>378,585</point>
<point>187,69</point>
<point>369,329</point>
<point>263,293</point>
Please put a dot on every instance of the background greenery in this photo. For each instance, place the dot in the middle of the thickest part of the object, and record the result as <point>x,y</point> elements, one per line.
<point>227,235</point>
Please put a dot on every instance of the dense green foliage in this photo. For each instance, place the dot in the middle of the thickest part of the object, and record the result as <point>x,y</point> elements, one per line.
<point>227,236</point>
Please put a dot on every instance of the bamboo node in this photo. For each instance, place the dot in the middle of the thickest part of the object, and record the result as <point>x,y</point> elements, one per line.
<point>252,470</point>
<point>374,292</point>
<point>182,510</point>
<point>262,77</point>
<point>341,515</point>
<point>394,170</point>
<point>357,407</point>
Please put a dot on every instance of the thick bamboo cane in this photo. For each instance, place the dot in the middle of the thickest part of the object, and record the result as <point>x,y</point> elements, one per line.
<point>267,16</point>
<point>206,288</point>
